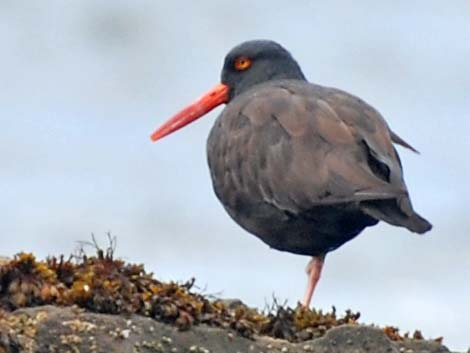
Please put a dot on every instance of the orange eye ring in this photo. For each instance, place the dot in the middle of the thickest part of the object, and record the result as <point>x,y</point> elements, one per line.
<point>242,63</point>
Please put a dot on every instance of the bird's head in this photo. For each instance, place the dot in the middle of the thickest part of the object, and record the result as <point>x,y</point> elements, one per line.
<point>255,62</point>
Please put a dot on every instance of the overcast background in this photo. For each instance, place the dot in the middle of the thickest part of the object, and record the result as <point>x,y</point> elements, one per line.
<point>84,83</point>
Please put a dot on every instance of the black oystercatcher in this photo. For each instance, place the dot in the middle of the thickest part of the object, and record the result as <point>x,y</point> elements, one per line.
<point>303,167</point>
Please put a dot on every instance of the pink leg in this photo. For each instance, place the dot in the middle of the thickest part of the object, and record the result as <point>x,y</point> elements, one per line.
<point>313,270</point>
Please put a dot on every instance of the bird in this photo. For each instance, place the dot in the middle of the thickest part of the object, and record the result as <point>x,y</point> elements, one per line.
<point>303,167</point>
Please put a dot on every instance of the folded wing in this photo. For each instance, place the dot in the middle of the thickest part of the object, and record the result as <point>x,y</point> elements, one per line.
<point>311,145</point>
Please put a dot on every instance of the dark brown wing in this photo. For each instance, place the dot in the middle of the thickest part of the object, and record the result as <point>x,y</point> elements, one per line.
<point>369,125</point>
<point>299,145</point>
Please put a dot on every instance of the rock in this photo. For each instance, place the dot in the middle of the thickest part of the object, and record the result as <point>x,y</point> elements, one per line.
<point>52,329</point>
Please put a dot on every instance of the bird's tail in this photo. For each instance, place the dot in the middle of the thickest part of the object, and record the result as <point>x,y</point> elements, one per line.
<point>398,212</point>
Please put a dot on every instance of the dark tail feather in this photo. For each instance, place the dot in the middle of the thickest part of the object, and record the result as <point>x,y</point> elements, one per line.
<point>397,212</point>
<point>420,224</point>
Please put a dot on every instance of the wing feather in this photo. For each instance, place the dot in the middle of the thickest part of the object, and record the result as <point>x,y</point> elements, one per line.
<point>301,145</point>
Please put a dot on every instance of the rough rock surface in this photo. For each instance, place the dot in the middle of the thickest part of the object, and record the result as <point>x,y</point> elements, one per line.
<point>50,329</point>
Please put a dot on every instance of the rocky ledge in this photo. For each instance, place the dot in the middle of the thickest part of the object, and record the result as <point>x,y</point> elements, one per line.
<point>50,329</point>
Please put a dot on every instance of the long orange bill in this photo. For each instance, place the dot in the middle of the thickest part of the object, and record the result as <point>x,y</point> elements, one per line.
<point>203,105</point>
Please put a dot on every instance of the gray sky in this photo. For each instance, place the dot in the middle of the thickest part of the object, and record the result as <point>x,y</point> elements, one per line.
<point>83,84</point>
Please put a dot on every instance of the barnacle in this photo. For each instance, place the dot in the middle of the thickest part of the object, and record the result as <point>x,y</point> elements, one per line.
<point>101,283</point>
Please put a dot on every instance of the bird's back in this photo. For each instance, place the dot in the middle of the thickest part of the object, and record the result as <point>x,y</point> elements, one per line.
<point>306,168</point>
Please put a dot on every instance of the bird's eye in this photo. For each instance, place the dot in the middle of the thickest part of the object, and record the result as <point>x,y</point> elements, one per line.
<point>242,63</point>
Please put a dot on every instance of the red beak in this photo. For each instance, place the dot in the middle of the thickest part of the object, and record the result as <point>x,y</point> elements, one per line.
<point>203,105</point>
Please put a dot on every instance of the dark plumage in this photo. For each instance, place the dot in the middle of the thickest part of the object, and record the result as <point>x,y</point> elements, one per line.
<point>303,167</point>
